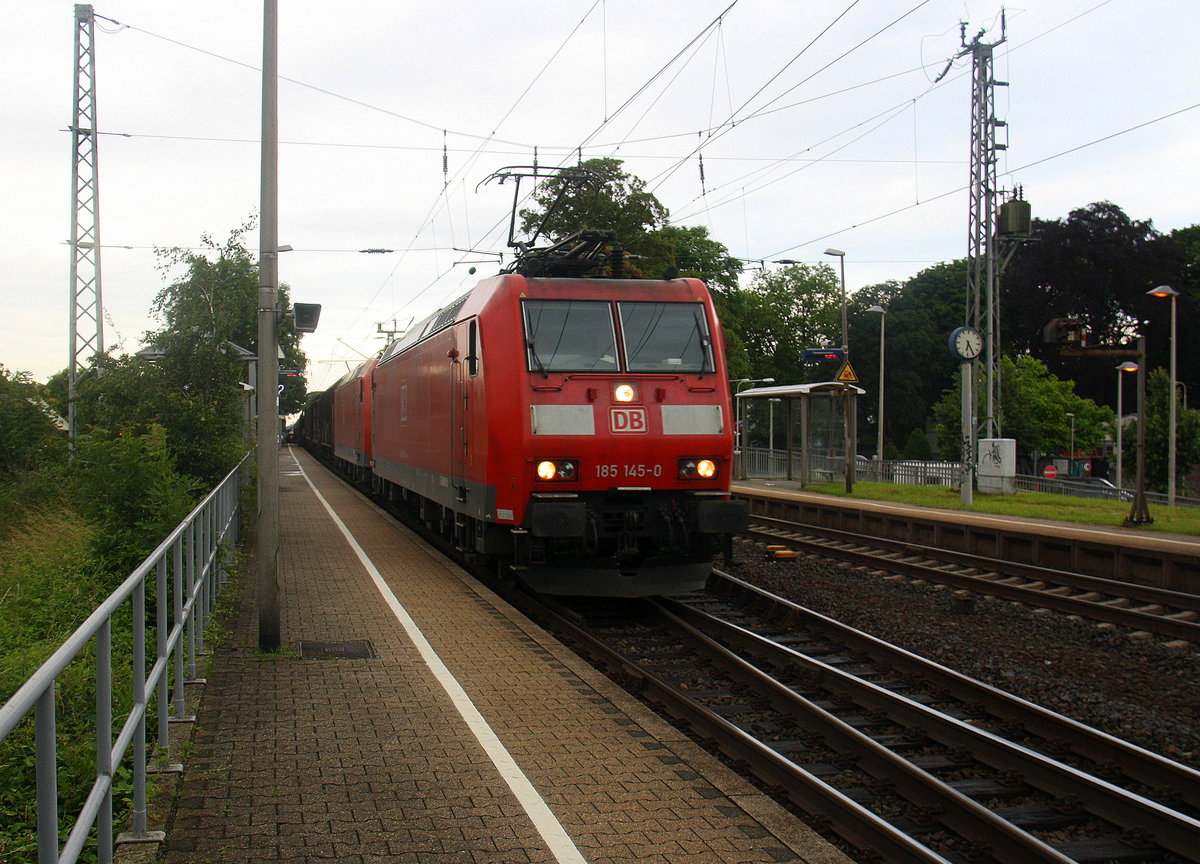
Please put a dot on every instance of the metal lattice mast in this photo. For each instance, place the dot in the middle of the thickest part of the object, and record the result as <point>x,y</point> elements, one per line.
<point>983,302</point>
<point>87,322</point>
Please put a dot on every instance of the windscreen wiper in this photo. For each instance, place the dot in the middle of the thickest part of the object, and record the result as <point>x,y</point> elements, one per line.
<point>536,359</point>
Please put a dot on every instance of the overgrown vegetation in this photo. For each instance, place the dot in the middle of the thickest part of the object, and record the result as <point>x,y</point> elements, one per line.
<point>156,431</point>
<point>77,533</point>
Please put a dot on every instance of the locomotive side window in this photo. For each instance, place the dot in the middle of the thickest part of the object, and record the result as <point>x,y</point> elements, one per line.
<point>569,336</point>
<point>666,337</point>
<point>473,348</point>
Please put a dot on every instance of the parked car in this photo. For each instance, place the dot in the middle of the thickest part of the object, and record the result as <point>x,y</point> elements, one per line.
<point>1100,487</point>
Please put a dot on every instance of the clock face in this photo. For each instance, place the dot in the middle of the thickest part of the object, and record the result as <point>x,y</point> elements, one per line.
<point>966,343</point>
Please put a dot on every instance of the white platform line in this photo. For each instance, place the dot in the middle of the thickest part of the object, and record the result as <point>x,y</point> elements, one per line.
<point>544,820</point>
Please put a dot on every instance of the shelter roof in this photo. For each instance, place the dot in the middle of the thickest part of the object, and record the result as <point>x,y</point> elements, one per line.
<point>795,391</point>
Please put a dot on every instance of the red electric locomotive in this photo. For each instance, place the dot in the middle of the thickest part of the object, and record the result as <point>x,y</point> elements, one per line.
<point>352,421</point>
<point>577,429</point>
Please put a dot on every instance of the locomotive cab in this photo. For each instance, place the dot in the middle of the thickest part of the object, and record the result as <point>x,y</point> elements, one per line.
<point>630,438</point>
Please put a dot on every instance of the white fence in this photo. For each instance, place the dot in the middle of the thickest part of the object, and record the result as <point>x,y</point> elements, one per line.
<point>759,462</point>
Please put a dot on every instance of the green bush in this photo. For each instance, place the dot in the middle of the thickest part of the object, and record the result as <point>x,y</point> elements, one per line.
<point>49,584</point>
<point>28,428</point>
<point>125,484</point>
<point>79,529</point>
<point>917,446</point>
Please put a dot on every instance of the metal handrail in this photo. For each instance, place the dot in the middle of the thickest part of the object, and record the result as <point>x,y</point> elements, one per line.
<point>196,569</point>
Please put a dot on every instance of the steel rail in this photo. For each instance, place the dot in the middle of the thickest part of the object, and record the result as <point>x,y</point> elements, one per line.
<point>1172,830</point>
<point>860,552</point>
<point>1008,843</point>
<point>854,822</point>
<point>1137,763</point>
<point>1148,594</point>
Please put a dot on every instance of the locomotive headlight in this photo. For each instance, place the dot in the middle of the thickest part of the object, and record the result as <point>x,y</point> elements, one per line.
<point>625,393</point>
<point>690,469</point>
<point>563,469</point>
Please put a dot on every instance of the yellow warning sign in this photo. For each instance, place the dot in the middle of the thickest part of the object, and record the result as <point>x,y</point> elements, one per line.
<point>847,376</point>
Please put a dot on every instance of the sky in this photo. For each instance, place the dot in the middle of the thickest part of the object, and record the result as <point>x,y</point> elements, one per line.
<point>820,124</point>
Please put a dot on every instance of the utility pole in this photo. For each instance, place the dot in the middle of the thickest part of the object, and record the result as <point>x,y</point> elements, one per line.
<point>991,242</point>
<point>87,311</point>
<point>983,304</point>
<point>268,344</point>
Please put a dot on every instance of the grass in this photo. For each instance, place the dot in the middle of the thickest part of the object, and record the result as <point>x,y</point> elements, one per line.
<point>1032,505</point>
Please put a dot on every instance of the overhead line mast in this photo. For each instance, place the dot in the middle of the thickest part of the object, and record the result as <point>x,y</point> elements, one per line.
<point>993,236</point>
<point>982,300</point>
<point>87,311</point>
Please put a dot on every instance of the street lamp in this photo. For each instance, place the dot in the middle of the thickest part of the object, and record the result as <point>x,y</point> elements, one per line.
<point>1071,454</point>
<point>882,319</point>
<point>737,413</point>
<point>1168,291</point>
<point>841,256</point>
<point>1127,366</point>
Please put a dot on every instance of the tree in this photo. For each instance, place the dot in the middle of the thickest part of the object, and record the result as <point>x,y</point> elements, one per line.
<point>1042,425</point>
<point>864,339</point>
<point>1187,437</point>
<point>212,310</point>
<point>191,393</point>
<point>691,252</point>
<point>782,312</point>
<point>617,201</point>
<point>188,379</point>
<point>920,315</point>
<point>1094,266</point>
<point>917,446</point>
<point>28,426</point>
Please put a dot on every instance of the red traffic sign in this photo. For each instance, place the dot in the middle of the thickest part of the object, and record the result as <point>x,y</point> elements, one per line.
<point>1049,472</point>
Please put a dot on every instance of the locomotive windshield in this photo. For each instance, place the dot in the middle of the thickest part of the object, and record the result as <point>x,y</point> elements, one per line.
<point>570,336</point>
<point>665,337</point>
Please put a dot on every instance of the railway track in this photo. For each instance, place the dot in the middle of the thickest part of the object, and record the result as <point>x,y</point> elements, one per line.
<point>900,757</point>
<point>1170,615</point>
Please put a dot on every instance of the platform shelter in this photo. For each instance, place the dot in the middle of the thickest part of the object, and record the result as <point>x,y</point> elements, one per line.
<point>797,431</point>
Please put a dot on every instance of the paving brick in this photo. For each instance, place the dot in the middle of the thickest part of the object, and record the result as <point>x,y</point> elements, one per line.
<point>355,760</point>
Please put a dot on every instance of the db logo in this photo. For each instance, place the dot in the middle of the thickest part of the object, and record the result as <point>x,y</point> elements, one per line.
<point>627,420</point>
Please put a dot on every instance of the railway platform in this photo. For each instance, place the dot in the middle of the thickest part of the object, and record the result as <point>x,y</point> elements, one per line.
<point>1162,560</point>
<point>414,716</point>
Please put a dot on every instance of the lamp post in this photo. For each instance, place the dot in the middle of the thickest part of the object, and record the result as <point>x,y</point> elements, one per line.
<point>1127,366</point>
<point>1168,291</point>
<point>1071,453</point>
<point>841,256</point>
<point>737,413</point>
<point>882,343</point>
<point>1139,513</point>
<point>267,575</point>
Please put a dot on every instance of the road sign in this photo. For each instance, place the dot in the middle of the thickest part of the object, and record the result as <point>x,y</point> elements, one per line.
<point>1049,472</point>
<point>811,355</point>
<point>847,376</point>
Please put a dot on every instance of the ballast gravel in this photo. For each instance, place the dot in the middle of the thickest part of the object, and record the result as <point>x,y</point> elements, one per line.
<point>1136,688</point>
